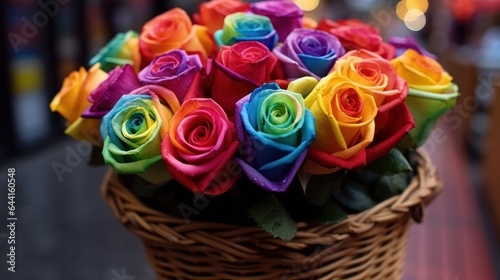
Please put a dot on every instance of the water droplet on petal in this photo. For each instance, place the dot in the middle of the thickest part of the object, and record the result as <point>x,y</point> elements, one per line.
<point>284,181</point>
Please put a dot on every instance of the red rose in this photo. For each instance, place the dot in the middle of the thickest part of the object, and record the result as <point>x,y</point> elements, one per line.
<point>239,69</point>
<point>356,35</point>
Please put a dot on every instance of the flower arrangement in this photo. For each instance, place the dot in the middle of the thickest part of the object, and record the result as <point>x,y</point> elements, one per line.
<point>257,111</point>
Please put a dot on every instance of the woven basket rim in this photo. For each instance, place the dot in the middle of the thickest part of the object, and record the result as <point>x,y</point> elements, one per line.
<point>143,221</point>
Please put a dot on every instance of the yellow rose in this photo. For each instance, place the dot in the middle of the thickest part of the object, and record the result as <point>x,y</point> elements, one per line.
<point>422,72</point>
<point>71,101</point>
<point>344,116</point>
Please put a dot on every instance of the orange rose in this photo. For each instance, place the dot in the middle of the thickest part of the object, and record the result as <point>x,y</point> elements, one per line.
<point>173,30</point>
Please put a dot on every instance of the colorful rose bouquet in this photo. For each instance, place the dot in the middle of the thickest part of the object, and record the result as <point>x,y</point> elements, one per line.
<point>256,111</point>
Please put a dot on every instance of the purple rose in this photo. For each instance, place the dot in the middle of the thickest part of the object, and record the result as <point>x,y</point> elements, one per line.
<point>174,70</point>
<point>403,43</point>
<point>285,16</point>
<point>120,81</point>
<point>308,52</point>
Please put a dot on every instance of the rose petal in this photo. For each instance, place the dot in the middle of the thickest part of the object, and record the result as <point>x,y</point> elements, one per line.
<point>119,82</point>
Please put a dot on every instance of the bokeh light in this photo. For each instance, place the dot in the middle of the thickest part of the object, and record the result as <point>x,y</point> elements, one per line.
<point>415,19</point>
<point>412,12</point>
<point>421,5</point>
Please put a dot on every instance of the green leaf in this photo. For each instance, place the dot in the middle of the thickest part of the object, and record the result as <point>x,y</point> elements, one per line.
<point>321,187</point>
<point>355,195</point>
<point>392,163</point>
<point>367,176</point>
<point>330,213</point>
<point>272,217</point>
<point>390,185</point>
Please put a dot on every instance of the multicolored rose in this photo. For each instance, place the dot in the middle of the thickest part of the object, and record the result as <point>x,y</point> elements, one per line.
<point>120,81</point>
<point>308,52</point>
<point>242,27</point>
<point>133,131</point>
<point>255,89</point>
<point>72,100</point>
<point>199,147</point>
<point>285,16</point>
<point>376,74</point>
<point>373,73</point>
<point>173,30</point>
<point>275,129</point>
<point>175,70</point>
<point>238,70</point>
<point>122,49</point>
<point>365,73</point>
<point>422,72</point>
<point>430,96</point>
<point>212,13</point>
<point>344,115</point>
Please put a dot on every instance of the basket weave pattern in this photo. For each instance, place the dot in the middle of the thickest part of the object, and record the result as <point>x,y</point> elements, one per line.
<point>368,245</point>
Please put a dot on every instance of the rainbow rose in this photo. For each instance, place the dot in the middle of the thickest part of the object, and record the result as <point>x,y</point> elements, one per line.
<point>345,124</point>
<point>285,16</point>
<point>212,13</point>
<point>120,81</point>
<point>430,96</point>
<point>122,49</point>
<point>133,131</point>
<point>377,76</point>
<point>238,70</point>
<point>308,52</point>
<point>198,148</point>
<point>372,72</point>
<point>72,100</point>
<point>173,30</point>
<point>276,129</point>
<point>175,70</point>
<point>241,27</point>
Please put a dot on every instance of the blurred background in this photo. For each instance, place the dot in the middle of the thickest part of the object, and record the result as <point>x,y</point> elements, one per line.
<point>66,231</point>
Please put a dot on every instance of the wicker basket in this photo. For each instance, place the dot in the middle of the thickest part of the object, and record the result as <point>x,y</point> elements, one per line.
<point>368,245</point>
